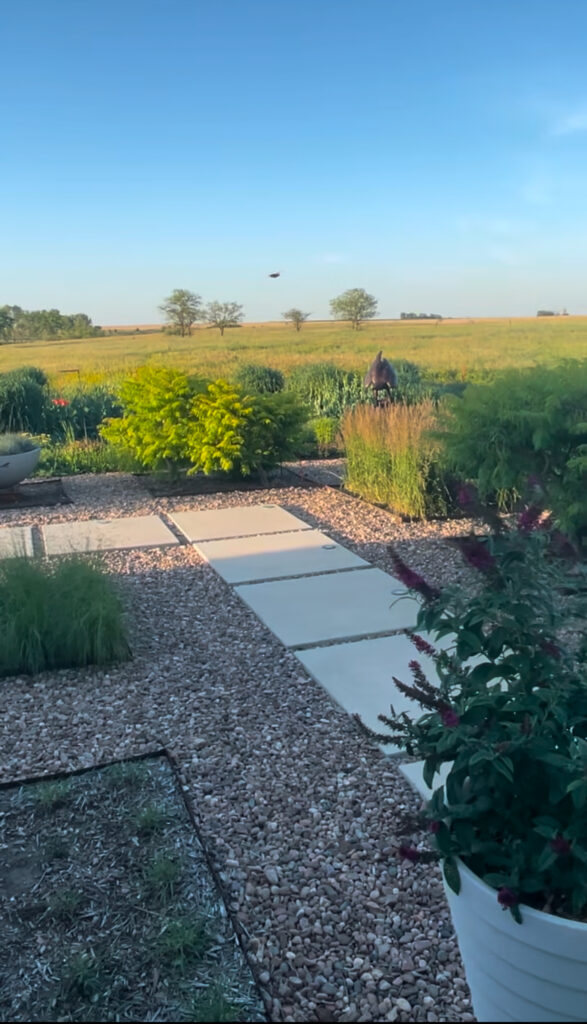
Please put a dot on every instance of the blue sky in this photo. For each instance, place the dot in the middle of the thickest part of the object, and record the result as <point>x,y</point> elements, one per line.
<point>433,152</point>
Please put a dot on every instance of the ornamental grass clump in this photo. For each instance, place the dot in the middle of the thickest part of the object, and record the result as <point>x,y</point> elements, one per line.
<point>59,614</point>
<point>509,715</point>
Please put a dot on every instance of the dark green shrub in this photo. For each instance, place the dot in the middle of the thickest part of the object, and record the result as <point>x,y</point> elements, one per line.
<point>530,422</point>
<point>24,401</point>
<point>327,390</point>
<point>259,380</point>
<point>158,411</point>
<point>57,614</point>
<point>391,460</point>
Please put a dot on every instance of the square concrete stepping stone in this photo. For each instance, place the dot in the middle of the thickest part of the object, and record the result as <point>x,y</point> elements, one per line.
<point>269,556</point>
<point>315,609</point>
<point>242,521</point>
<point>360,677</point>
<point>106,535</point>
<point>16,542</point>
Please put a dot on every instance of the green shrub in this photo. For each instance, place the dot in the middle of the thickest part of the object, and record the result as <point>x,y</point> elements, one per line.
<point>242,434</point>
<point>158,410</point>
<point>57,614</point>
<point>530,422</point>
<point>24,401</point>
<point>327,390</point>
<point>16,444</point>
<point>320,439</point>
<point>392,461</point>
<point>259,380</point>
<point>174,422</point>
<point>73,457</point>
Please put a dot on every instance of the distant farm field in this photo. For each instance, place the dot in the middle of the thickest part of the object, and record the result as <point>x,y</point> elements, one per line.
<point>464,346</point>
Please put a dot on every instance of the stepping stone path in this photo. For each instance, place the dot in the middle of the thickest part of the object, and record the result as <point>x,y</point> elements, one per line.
<point>106,535</point>
<point>315,592</point>
<point>335,610</point>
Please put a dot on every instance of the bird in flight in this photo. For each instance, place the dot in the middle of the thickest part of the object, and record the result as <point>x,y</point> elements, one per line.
<point>274,275</point>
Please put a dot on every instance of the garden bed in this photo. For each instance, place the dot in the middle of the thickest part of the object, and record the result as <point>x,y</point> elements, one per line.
<point>163,486</point>
<point>34,494</point>
<point>109,910</point>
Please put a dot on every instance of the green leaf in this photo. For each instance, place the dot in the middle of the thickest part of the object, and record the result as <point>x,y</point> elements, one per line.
<point>451,874</point>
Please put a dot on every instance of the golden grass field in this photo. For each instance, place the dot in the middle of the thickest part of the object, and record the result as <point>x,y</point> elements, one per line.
<point>460,345</point>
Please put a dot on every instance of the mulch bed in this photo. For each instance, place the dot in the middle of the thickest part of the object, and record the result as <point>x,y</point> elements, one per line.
<point>35,494</point>
<point>162,486</point>
<point>108,908</point>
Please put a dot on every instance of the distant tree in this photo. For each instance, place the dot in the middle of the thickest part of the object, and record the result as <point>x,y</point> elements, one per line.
<point>296,317</point>
<point>223,315</point>
<point>546,312</point>
<point>355,305</point>
<point>182,308</point>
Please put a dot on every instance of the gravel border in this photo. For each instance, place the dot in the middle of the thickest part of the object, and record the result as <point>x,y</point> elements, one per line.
<point>301,814</point>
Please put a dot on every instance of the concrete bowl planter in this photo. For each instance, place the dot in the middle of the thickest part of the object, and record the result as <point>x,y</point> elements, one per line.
<point>14,468</point>
<point>534,971</point>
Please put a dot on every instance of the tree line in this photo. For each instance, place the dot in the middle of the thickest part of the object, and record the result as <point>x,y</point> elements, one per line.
<point>18,324</point>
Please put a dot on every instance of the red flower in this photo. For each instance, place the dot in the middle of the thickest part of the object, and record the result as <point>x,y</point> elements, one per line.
<point>506,898</point>
<point>60,401</point>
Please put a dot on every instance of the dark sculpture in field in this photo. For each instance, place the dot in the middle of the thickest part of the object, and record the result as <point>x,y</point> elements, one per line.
<point>380,376</point>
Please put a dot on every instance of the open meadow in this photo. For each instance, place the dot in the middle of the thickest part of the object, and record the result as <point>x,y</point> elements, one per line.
<point>464,346</point>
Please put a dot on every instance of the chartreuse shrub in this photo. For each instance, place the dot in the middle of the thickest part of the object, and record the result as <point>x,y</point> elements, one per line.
<point>57,614</point>
<point>158,412</point>
<point>259,380</point>
<point>172,421</point>
<point>529,422</point>
<point>392,461</point>
<point>240,433</point>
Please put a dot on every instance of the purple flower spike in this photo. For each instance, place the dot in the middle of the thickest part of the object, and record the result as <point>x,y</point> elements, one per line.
<point>449,718</point>
<point>409,853</point>
<point>434,826</point>
<point>549,647</point>
<point>466,496</point>
<point>528,520</point>
<point>506,898</point>
<point>477,554</point>
<point>560,845</point>
<point>422,645</point>
<point>412,579</point>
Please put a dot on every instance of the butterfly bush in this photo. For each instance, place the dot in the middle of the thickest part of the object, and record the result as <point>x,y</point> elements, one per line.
<point>508,712</point>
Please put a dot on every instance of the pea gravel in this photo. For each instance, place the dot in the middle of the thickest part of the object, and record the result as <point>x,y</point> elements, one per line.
<point>302,814</point>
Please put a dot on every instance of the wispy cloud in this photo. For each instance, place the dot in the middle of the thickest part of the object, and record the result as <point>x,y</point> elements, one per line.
<point>572,122</point>
<point>332,257</point>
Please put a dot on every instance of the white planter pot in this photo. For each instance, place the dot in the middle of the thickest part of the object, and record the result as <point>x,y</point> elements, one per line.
<point>14,468</point>
<point>534,971</point>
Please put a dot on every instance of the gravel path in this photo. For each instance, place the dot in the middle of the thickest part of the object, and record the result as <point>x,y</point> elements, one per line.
<point>302,814</point>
